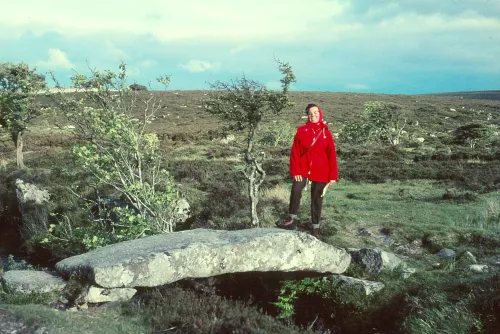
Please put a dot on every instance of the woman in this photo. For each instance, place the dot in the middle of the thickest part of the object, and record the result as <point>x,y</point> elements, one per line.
<point>313,158</point>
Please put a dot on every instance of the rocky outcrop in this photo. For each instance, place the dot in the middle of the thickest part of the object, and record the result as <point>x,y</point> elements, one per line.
<point>163,259</point>
<point>31,281</point>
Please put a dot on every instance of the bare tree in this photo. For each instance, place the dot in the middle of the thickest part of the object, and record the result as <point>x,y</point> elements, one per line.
<point>247,102</point>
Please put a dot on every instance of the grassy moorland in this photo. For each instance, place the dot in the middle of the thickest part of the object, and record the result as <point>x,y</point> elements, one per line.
<point>413,199</point>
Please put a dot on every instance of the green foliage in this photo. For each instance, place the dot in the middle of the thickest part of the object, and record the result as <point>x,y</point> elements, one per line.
<point>358,132</point>
<point>277,133</point>
<point>473,134</point>
<point>290,291</point>
<point>120,154</point>
<point>388,121</point>
<point>13,264</point>
<point>246,102</point>
<point>380,121</point>
<point>19,85</point>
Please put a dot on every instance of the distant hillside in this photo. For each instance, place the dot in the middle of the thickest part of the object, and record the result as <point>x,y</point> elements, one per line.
<point>482,95</point>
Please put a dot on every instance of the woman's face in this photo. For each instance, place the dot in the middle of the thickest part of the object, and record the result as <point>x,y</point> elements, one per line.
<point>313,114</point>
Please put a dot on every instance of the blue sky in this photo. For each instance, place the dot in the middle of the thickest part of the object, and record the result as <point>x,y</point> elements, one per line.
<point>376,46</point>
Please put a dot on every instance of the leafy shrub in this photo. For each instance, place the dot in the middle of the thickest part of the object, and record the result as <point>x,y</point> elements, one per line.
<point>473,134</point>
<point>387,120</point>
<point>118,152</point>
<point>277,133</point>
<point>356,132</point>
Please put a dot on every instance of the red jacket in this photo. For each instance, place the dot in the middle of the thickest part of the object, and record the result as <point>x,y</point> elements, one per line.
<point>319,163</point>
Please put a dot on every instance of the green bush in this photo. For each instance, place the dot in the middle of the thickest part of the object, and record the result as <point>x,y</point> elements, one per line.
<point>277,133</point>
<point>473,134</point>
<point>120,154</point>
<point>137,87</point>
<point>357,132</point>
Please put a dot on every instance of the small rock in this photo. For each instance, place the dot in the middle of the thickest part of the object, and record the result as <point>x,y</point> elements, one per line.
<point>83,307</point>
<point>446,253</point>
<point>376,260</point>
<point>72,309</point>
<point>407,272</point>
<point>63,300</point>
<point>101,295</point>
<point>364,232</point>
<point>477,268</point>
<point>346,282</point>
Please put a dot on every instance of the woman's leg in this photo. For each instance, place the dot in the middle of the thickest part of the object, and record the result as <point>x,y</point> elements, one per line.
<point>316,202</point>
<point>293,208</point>
<point>295,196</point>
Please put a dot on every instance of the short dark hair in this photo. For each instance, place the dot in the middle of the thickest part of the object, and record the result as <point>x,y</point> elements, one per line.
<point>309,106</point>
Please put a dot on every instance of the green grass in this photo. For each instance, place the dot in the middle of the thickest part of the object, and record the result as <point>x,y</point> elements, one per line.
<point>406,209</point>
<point>94,320</point>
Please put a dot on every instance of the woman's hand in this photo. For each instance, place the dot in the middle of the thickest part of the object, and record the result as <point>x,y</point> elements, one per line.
<point>298,178</point>
<point>331,183</point>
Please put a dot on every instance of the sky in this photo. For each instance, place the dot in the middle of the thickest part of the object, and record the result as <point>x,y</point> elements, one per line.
<point>366,46</point>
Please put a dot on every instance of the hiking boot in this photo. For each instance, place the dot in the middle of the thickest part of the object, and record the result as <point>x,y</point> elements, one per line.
<point>315,232</point>
<point>288,223</point>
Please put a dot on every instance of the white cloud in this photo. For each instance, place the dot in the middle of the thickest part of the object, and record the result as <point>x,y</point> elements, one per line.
<point>227,20</point>
<point>57,60</point>
<point>356,86</point>
<point>148,63</point>
<point>196,66</point>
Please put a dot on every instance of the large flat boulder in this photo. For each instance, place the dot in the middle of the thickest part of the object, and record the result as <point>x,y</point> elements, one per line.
<point>163,259</point>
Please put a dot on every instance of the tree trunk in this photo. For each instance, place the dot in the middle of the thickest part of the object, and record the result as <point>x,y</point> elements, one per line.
<point>253,191</point>
<point>18,141</point>
<point>255,175</point>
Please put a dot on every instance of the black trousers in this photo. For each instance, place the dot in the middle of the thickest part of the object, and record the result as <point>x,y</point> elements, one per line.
<point>316,199</point>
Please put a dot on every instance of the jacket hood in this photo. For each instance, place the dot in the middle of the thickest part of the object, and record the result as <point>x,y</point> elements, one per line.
<point>321,124</point>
